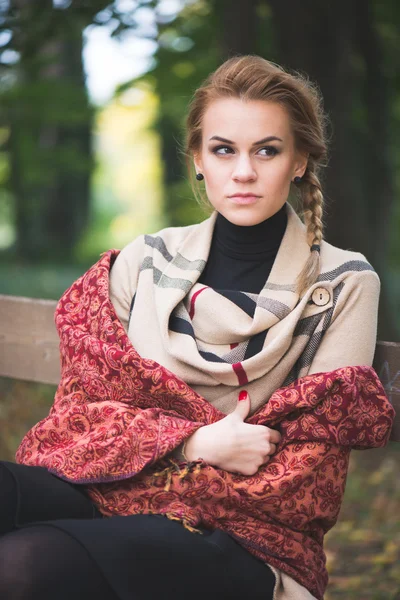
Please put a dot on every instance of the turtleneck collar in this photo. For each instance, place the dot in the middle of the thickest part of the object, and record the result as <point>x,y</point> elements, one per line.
<point>252,241</point>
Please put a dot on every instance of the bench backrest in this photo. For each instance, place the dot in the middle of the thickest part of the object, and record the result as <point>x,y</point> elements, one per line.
<point>29,348</point>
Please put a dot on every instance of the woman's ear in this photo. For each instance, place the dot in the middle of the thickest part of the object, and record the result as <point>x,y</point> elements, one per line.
<point>301,164</point>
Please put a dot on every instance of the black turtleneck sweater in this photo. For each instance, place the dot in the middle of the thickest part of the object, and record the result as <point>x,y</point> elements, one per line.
<point>241,257</point>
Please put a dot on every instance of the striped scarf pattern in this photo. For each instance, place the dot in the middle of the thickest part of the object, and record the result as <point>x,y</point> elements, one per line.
<point>219,340</point>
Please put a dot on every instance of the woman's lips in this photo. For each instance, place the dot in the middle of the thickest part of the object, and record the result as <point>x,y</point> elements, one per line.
<point>244,199</point>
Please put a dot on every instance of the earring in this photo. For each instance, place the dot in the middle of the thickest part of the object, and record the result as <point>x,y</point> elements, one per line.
<point>297,179</point>
<point>199,176</point>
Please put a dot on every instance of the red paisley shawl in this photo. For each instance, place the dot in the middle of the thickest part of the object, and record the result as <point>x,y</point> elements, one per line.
<point>116,416</point>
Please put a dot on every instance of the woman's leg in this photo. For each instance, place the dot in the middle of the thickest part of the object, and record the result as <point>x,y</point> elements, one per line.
<point>39,562</point>
<point>157,558</point>
<point>148,557</point>
<point>30,494</point>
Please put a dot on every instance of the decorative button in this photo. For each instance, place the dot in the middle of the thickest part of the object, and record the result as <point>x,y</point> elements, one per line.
<point>320,296</point>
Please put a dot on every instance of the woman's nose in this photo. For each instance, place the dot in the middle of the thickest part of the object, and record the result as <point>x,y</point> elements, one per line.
<point>244,169</point>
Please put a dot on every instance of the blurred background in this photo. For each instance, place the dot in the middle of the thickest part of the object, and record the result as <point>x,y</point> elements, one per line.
<point>93,98</point>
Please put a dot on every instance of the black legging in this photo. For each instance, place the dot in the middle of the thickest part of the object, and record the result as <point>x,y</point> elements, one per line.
<point>43,554</point>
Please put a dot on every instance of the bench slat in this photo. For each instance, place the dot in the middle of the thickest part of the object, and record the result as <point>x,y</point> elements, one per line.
<point>29,344</point>
<point>29,348</point>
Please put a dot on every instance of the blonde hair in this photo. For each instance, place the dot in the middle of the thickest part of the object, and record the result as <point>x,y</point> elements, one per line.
<point>251,77</point>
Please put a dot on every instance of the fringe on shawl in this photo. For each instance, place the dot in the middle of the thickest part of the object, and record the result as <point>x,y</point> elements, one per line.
<point>174,469</point>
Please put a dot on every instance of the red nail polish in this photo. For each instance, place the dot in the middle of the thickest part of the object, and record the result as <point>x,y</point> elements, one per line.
<point>243,395</point>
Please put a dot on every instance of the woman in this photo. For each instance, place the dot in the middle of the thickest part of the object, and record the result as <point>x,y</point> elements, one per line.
<point>169,345</point>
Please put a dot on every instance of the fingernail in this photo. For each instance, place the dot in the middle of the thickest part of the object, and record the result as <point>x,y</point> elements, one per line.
<point>243,395</point>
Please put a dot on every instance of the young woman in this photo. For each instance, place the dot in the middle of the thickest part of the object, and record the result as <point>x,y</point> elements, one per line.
<point>250,300</point>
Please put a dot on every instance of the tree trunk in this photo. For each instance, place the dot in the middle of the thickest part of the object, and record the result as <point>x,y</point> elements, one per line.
<point>238,26</point>
<point>377,168</point>
<point>321,39</point>
<point>50,123</point>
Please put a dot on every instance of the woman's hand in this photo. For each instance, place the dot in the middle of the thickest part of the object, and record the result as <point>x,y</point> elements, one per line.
<point>233,445</point>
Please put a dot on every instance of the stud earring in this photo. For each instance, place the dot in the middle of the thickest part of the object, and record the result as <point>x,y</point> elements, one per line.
<point>297,179</point>
<point>199,176</point>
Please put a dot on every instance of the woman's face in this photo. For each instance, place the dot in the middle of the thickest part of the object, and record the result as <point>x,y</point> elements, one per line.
<point>243,161</point>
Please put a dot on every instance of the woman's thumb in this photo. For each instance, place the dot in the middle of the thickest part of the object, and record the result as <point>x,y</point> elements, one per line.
<point>243,405</point>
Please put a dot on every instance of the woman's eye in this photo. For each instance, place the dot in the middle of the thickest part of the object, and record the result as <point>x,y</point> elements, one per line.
<point>216,150</point>
<point>271,150</point>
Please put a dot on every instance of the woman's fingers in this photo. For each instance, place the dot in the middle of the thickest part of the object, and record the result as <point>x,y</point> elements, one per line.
<point>268,453</point>
<point>273,435</point>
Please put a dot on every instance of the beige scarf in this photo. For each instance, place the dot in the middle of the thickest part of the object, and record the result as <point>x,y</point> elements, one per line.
<point>220,341</point>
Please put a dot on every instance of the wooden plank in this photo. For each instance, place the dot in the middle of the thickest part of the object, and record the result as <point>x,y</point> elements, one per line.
<point>29,344</point>
<point>29,348</point>
<point>387,365</point>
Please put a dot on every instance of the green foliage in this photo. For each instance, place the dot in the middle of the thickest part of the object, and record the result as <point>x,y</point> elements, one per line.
<point>39,281</point>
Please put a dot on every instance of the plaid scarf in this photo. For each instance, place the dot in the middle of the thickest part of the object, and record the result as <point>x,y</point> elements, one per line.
<point>117,416</point>
<point>220,341</point>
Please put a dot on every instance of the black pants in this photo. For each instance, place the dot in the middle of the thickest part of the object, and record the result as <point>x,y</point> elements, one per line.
<point>54,544</point>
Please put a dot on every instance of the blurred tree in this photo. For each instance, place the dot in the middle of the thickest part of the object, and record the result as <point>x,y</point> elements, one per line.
<point>237,26</point>
<point>45,107</point>
<point>180,65</point>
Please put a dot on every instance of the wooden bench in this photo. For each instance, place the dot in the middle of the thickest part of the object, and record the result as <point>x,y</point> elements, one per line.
<point>29,349</point>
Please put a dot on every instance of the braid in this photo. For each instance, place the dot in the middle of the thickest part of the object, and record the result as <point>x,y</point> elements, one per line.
<point>313,201</point>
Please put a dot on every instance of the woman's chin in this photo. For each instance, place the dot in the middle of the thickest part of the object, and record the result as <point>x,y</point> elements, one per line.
<point>245,216</point>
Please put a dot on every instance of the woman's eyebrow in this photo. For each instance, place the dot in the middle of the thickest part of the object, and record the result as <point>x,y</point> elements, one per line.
<point>270,138</point>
